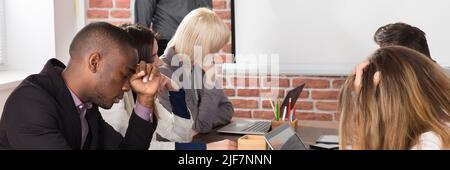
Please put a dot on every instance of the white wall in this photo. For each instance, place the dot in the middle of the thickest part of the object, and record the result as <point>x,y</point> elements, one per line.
<point>30,34</point>
<point>37,30</point>
<point>30,41</point>
<point>40,30</point>
<point>67,24</point>
<point>331,36</point>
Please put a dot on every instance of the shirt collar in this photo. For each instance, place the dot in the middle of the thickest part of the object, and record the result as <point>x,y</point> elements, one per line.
<point>79,104</point>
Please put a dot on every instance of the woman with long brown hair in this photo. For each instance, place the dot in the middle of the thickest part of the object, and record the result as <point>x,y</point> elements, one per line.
<point>397,99</point>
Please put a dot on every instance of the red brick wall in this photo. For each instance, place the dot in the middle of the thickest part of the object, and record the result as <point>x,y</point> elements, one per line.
<point>116,12</point>
<point>317,102</point>
<point>223,9</point>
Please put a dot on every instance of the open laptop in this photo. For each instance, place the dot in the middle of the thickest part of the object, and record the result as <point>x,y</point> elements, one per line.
<point>259,127</point>
<point>247,127</point>
<point>284,138</point>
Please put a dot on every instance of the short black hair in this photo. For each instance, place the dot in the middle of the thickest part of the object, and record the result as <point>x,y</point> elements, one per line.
<point>404,35</point>
<point>101,37</point>
<point>144,38</point>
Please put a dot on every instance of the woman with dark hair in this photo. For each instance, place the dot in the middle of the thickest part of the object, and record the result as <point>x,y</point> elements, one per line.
<point>174,127</point>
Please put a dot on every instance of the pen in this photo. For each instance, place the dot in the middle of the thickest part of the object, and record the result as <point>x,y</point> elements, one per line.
<point>273,109</point>
<point>277,111</point>
<point>278,107</point>
<point>289,108</point>
<point>293,112</point>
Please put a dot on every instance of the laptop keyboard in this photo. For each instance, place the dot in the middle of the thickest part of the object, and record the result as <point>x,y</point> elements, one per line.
<point>259,127</point>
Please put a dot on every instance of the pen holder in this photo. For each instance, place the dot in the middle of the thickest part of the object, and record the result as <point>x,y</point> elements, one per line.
<point>276,123</point>
<point>252,142</point>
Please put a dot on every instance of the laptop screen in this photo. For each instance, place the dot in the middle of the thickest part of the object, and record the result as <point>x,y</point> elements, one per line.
<point>284,138</point>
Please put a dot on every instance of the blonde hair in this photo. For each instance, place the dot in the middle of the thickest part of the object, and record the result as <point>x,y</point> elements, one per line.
<point>200,28</point>
<point>411,98</point>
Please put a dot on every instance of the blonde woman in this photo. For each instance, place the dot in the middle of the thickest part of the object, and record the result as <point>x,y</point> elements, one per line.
<point>398,99</point>
<point>200,33</point>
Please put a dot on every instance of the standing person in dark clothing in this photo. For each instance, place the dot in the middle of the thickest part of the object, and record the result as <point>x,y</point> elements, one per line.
<point>164,16</point>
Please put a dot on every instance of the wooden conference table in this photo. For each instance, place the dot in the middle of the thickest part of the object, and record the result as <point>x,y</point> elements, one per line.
<point>308,131</point>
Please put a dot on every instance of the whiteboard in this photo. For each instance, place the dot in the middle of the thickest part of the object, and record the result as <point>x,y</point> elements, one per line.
<point>331,36</point>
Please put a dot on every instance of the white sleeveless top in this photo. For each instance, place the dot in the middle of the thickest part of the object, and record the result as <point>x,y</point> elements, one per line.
<point>430,141</point>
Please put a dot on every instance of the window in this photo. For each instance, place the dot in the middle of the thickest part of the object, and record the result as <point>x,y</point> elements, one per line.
<point>2,35</point>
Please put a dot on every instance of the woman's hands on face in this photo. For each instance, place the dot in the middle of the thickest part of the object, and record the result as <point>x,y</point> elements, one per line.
<point>145,82</point>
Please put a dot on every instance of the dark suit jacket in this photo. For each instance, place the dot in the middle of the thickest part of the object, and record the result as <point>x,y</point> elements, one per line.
<point>41,114</point>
